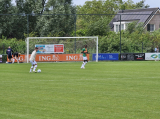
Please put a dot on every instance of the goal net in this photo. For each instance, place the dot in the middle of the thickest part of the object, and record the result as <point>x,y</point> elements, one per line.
<point>54,49</point>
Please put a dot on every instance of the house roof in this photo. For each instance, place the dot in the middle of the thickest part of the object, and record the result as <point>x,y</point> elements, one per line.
<point>140,15</point>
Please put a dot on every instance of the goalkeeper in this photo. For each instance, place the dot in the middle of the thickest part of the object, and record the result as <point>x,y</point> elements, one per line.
<point>85,60</point>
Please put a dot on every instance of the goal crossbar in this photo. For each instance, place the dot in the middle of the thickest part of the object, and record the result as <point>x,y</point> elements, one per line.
<point>28,38</point>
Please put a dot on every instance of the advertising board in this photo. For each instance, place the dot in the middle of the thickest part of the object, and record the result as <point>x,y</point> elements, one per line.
<point>59,57</point>
<point>133,56</point>
<point>56,57</point>
<point>50,48</point>
<point>59,48</point>
<point>152,56</point>
<point>106,56</point>
<point>139,56</point>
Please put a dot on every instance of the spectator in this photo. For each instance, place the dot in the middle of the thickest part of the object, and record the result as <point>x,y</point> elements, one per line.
<point>157,49</point>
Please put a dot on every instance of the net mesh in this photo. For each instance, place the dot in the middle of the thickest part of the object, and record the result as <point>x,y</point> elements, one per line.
<point>71,45</point>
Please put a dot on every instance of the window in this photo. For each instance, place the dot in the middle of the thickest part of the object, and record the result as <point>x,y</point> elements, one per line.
<point>122,26</point>
<point>117,28</point>
<point>151,27</point>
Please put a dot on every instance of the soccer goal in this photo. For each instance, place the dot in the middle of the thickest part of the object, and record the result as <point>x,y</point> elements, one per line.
<point>62,48</point>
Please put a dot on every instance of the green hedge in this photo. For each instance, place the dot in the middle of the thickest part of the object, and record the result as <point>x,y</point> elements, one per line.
<point>16,45</point>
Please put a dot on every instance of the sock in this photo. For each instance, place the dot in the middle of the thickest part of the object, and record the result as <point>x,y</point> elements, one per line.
<point>31,68</point>
<point>35,67</point>
<point>82,64</point>
<point>13,60</point>
<point>85,63</point>
<point>17,60</point>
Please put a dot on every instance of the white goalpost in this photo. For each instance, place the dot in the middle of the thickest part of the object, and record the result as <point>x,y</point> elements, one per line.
<point>71,44</point>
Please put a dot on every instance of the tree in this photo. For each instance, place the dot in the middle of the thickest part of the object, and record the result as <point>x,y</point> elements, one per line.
<point>129,4</point>
<point>16,25</point>
<point>134,27</point>
<point>25,7</point>
<point>100,28</point>
<point>141,5</point>
<point>60,22</point>
<point>6,21</point>
<point>92,13</point>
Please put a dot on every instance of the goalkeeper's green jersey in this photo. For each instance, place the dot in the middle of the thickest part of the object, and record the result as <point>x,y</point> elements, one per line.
<point>84,54</point>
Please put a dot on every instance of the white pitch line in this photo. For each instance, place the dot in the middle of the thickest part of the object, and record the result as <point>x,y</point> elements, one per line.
<point>85,79</point>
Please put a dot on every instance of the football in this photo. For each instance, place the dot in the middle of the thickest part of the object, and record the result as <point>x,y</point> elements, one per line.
<point>39,70</point>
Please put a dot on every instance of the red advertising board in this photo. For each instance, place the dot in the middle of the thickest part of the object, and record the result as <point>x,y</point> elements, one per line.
<point>55,57</point>
<point>58,48</point>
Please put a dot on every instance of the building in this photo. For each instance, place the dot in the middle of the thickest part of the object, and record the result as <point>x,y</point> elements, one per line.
<point>149,16</point>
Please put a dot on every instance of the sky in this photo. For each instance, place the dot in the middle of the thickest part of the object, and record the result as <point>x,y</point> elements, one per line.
<point>151,3</point>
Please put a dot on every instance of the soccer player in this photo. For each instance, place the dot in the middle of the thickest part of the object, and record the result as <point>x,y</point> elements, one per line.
<point>32,60</point>
<point>9,53</point>
<point>16,56</point>
<point>85,60</point>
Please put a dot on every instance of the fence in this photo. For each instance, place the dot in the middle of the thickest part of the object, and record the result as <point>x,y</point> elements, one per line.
<point>111,29</point>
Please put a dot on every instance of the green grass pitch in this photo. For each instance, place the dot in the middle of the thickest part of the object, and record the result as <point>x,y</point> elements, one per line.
<point>103,90</point>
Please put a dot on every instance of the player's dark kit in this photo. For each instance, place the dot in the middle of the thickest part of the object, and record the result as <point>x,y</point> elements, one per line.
<point>15,54</point>
<point>9,53</point>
